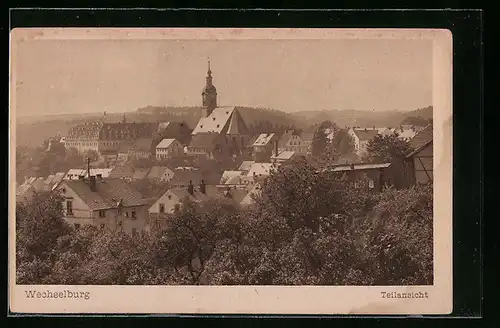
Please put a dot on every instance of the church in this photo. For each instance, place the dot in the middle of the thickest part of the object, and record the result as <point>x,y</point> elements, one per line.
<point>220,129</point>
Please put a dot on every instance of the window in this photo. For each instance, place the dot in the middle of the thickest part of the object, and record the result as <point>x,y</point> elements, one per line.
<point>69,207</point>
<point>134,232</point>
<point>133,215</point>
<point>169,197</point>
<point>102,214</point>
<point>162,208</point>
<point>126,214</point>
<point>356,184</point>
<point>371,184</point>
<point>77,226</point>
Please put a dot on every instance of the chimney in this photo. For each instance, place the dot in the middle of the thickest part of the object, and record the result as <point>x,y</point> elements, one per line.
<point>203,187</point>
<point>190,188</point>
<point>276,148</point>
<point>352,166</point>
<point>92,183</point>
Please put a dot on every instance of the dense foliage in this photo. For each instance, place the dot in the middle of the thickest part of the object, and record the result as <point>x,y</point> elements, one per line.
<point>386,148</point>
<point>305,228</point>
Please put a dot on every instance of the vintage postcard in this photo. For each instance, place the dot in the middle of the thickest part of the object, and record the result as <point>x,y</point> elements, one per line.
<point>230,171</point>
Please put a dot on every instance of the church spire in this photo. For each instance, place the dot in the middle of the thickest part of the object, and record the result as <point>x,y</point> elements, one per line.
<point>209,94</point>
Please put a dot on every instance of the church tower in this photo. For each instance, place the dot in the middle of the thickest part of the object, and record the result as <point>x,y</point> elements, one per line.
<point>209,94</point>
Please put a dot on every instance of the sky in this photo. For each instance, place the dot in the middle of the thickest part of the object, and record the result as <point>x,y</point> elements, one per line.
<point>85,76</point>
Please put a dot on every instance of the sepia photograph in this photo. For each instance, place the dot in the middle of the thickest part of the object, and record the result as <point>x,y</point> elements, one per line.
<point>230,171</point>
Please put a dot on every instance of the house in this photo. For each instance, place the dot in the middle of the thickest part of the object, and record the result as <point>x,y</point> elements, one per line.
<point>264,146</point>
<point>284,156</point>
<point>163,208</point>
<point>124,171</point>
<point>104,203</point>
<point>417,166</point>
<point>179,131</point>
<point>249,198</point>
<point>182,176</point>
<point>58,178</point>
<point>209,145</point>
<point>170,201</point>
<point>140,173</point>
<point>160,173</point>
<point>370,176</point>
<point>361,137</point>
<point>260,171</point>
<point>307,140</point>
<point>142,148</point>
<point>292,141</point>
<point>75,174</point>
<point>169,148</point>
<point>232,177</point>
<point>405,132</point>
<point>245,166</point>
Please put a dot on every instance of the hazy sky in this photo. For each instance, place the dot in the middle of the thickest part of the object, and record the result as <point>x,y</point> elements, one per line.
<point>83,76</point>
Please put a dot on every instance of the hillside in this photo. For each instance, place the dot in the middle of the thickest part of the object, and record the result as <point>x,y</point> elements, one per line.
<point>351,117</point>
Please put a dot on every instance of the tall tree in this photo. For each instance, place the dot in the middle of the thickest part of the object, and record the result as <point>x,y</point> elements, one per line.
<point>385,148</point>
<point>319,142</point>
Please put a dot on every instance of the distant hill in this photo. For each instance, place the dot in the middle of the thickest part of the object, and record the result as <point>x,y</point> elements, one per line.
<point>351,117</point>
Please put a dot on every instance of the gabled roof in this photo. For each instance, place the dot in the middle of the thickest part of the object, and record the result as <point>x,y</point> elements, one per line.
<point>49,179</point>
<point>58,177</point>
<point>122,171</point>
<point>228,175</point>
<point>246,165</point>
<point>262,169</point>
<point>206,141</point>
<point>157,172</point>
<point>263,139</point>
<point>365,134</point>
<point>140,173</point>
<point>165,143</point>
<point>142,144</point>
<point>38,184</point>
<point>283,155</point>
<point>226,120</point>
<point>237,124</point>
<point>108,193</point>
<point>255,191</point>
<point>362,166</point>
<point>421,139</point>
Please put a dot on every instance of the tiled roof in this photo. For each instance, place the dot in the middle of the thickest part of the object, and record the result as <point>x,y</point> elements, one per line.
<point>140,173</point>
<point>246,165</point>
<point>365,134</point>
<point>255,191</point>
<point>165,143</point>
<point>227,175</point>
<point>421,139</point>
<point>262,169</point>
<point>182,177</point>
<point>347,167</point>
<point>157,172</point>
<point>122,171</point>
<point>108,193</point>
<point>215,122</point>
<point>143,144</point>
<point>39,184</point>
<point>49,179</point>
<point>283,155</point>
<point>222,120</point>
<point>206,141</point>
<point>263,139</point>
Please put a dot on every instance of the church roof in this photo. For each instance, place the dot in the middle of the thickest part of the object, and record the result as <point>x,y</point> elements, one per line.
<point>222,120</point>
<point>165,143</point>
